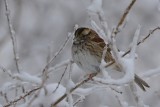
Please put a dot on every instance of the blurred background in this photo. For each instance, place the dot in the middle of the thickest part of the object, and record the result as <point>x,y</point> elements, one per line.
<point>42,23</point>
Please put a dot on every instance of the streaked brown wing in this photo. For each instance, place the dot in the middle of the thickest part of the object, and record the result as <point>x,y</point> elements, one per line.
<point>100,42</point>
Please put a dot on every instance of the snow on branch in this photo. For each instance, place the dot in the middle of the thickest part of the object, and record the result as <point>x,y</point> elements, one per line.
<point>24,76</point>
<point>126,64</point>
<point>21,97</point>
<point>126,61</point>
<point>60,65</point>
<point>144,39</point>
<point>58,52</point>
<point>149,73</point>
<point>122,19</point>
<point>13,36</point>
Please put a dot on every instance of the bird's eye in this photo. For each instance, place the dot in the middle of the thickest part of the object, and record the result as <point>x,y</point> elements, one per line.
<point>86,31</point>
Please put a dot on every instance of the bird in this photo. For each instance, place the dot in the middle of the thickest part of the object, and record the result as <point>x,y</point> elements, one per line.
<point>87,50</point>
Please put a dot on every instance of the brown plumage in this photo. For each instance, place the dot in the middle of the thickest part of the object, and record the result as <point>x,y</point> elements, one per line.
<point>87,52</point>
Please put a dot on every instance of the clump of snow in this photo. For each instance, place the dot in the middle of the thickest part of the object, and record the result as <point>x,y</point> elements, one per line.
<point>46,96</point>
<point>24,76</point>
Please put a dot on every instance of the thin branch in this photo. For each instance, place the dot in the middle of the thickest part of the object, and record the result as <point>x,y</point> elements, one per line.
<point>137,97</point>
<point>58,66</point>
<point>60,79</point>
<point>81,99</point>
<point>134,43</point>
<point>74,88</point>
<point>57,53</point>
<point>21,97</point>
<point>13,36</point>
<point>109,64</point>
<point>145,38</point>
<point>124,16</point>
<point>149,73</point>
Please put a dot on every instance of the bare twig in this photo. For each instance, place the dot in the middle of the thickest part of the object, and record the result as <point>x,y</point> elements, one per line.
<point>124,16</point>
<point>13,36</point>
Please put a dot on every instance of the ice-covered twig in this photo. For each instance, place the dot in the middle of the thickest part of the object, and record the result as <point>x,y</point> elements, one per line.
<point>21,97</point>
<point>70,85</point>
<point>13,36</point>
<point>70,99</point>
<point>59,51</point>
<point>140,42</point>
<point>60,79</point>
<point>24,76</point>
<point>138,99</point>
<point>85,91</point>
<point>81,99</point>
<point>121,101</point>
<point>134,43</point>
<point>96,7</point>
<point>126,64</point>
<point>109,64</point>
<point>143,40</point>
<point>122,19</point>
<point>105,26</point>
<point>132,56</point>
<point>6,71</point>
<point>72,89</point>
<point>99,31</point>
<point>150,73</point>
<point>46,94</point>
<point>62,64</point>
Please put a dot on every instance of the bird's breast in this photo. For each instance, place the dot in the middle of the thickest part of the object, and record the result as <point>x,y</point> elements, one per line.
<point>84,59</point>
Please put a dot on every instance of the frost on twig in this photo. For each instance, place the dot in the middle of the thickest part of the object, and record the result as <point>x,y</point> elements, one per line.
<point>60,79</point>
<point>58,52</point>
<point>150,73</point>
<point>24,76</point>
<point>101,32</point>
<point>21,97</point>
<point>126,64</point>
<point>13,36</point>
<point>124,16</point>
<point>139,101</point>
<point>60,65</point>
<point>143,39</point>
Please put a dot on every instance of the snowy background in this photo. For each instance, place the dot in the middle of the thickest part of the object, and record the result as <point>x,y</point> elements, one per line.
<point>42,26</point>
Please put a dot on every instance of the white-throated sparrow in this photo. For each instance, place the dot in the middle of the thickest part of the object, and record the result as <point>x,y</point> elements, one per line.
<point>87,50</point>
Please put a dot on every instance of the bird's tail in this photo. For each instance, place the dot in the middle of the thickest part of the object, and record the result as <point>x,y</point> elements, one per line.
<point>141,83</point>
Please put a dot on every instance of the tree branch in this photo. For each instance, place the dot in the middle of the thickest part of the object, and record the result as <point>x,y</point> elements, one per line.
<point>12,35</point>
<point>124,16</point>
